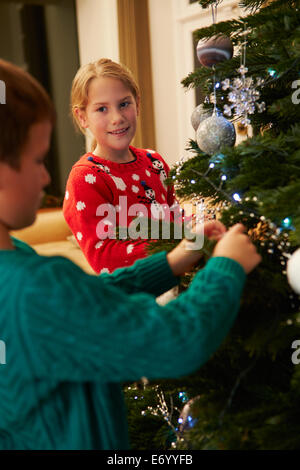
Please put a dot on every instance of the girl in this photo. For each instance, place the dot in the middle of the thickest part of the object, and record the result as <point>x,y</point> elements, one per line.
<point>106,184</point>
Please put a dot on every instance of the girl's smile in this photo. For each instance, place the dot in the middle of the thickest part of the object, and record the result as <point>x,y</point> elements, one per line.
<point>120,132</point>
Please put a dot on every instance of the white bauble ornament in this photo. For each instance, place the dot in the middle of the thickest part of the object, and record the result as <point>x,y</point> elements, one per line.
<point>214,133</point>
<point>293,271</point>
<point>199,114</point>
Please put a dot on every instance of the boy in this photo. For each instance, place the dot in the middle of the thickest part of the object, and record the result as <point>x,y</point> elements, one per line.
<point>72,338</point>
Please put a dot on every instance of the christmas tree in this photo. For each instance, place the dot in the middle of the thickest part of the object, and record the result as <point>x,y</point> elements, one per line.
<point>247,396</point>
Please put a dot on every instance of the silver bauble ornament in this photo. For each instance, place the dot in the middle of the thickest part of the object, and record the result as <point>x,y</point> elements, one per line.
<point>199,114</point>
<point>293,271</point>
<point>214,133</point>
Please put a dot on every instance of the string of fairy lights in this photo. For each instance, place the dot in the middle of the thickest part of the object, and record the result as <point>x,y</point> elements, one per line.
<point>177,419</point>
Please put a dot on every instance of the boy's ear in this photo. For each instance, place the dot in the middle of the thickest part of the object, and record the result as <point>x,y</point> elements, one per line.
<point>81,116</point>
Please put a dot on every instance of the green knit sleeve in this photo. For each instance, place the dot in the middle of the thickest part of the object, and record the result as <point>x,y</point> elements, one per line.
<point>79,328</point>
<point>152,275</point>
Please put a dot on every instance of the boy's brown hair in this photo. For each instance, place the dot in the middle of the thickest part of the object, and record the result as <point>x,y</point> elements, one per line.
<point>26,103</point>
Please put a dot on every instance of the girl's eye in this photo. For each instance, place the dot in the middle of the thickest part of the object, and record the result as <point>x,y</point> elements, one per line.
<point>125,104</point>
<point>102,109</point>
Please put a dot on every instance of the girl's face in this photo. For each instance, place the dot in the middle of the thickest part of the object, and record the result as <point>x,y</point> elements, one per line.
<point>111,116</point>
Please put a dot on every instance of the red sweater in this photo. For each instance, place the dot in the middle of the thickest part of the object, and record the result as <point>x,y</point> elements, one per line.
<point>94,181</point>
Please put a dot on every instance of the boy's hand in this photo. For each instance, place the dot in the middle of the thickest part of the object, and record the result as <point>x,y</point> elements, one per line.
<point>237,245</point>
<point>182,259</point>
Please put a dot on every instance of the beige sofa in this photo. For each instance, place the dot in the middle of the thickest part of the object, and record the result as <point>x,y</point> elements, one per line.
<point>50,235</point>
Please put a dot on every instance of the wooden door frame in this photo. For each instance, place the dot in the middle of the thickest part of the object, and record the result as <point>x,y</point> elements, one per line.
<point>135,53</point>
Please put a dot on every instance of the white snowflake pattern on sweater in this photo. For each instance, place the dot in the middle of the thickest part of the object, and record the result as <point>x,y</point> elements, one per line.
<point>148,173</point>
<point>79,236</point>
<point>98,245</point>
<point>91,179</point>
<point>67,195</point>
<point>80,206</point>
<point>104,270</point>
<point>118,182</point>
<point>135,189</point>
<point>135,177</point>
<point>130,248</point>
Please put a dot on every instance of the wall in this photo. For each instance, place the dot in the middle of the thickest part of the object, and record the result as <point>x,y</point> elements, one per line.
<point>97,25</point>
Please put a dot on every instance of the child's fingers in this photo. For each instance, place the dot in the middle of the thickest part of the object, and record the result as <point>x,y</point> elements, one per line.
<point>237,228</point>
<point>213,226</point>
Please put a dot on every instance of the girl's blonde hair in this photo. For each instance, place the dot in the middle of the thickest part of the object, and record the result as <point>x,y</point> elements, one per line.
<point>98,69</point>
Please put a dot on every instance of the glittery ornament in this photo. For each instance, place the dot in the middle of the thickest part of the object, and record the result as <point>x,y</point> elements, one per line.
<point>199,114</point>
<point>186,419</point>
<point>214,50</point>
<point>293,271</point>
<point>243,96</point>
<point>214,133</point>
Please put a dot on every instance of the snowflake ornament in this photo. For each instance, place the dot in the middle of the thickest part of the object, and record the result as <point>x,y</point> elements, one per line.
<point>243,96</point>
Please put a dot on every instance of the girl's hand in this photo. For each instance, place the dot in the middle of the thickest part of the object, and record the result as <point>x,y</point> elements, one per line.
<point>213,230</point>
<point>186,255</point>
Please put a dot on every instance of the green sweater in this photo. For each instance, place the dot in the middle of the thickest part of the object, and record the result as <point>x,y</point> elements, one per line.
<point>72,338</point>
